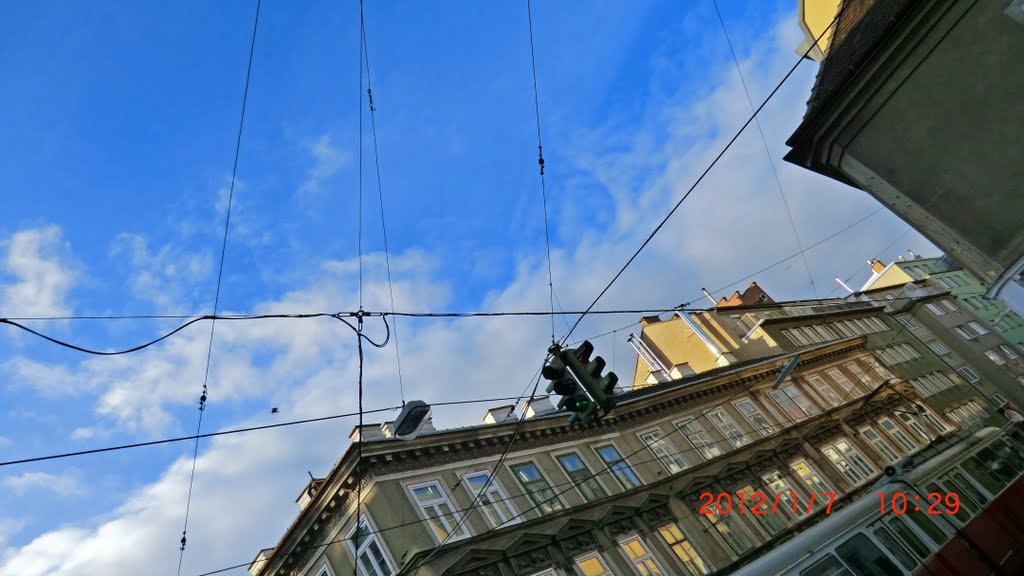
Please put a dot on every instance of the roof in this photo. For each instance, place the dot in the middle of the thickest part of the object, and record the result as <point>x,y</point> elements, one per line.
<point>875,276</point>
<point>861,27</point>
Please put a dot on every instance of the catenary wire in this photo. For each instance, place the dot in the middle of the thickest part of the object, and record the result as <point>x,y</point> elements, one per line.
<point>380,199</point>
<point>220,277</point>
<point>767,151</point>
<point>699,179</point>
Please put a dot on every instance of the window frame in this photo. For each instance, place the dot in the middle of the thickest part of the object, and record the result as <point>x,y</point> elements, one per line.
<point>596,554</point>
<point>969,374</point>
<point>908,321</point>
<point>762,431</point>
<point>819,384</point>
<point>449,521</point>
<point>938,347</point>
<point>537,506</point>
<point>495,486</point>
<point>783,390</point>
<point>356,551</point>
<point>622,461</point>
<point>1009,351</point>
<point>704,567</point>
<point>710,446</point>
<point>880,445</point>
<point>855,462</point>
<point>590,475</point>
<point>935,309</point>
<point>728,420</point>
<point>898,434</point>
<point>672,454</point>
<point>648,554</point>
<point>995,357</point>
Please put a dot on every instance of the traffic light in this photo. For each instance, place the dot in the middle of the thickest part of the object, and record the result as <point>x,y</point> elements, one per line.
<point>578,380</point>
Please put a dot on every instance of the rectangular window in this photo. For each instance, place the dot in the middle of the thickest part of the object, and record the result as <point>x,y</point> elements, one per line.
<point>665,452</point>
<point>878,368</point>
<point>932,419</point>
<point>733,534</point>
<point>620,469</point>
<point>683,550</point>
<point>864,377</point>
<point>757,420</point>
<point>897,354</point>
<point>641,558</point>
<point>935,309</point>
<point>700,439</point>
<point>948,304</point>
<point>536,487</point>
<point>592,565</point>
<point>437,510</point>
<point>770,523</point>
<point>809,477</point>
<point>937,347</point>
<point>1009,351</point>
<point>883,448</point>
<point>995,357</point>
<point>964,333</point>
<point>907,321</point>
<point>848,388</point>
<point>848,461</point>
<point>496,506</point>
<point>371,560</point>
<point>977,328</point>
<point>728,428</point>
<point>897,434</point>
<point>968,373</point>
<point>577,471</point>
<point>998,399</point>
<point>818,385</point>
<point>779,484</point>
<point>912,423</point>
<point>793,402</point>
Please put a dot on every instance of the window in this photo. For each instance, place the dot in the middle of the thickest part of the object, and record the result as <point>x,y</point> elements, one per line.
<point>968,373</point>
<point>934,309</point>
<point>848,461</point>
<point>733,534</point>
<point>437,510</point>
<point>620,469</point>
<point>779,484</point>
<point>580,474</point>
<point>864,377</point>
<point>809,477</point>
<point>728,428</point>
<point>757,420</point>
<point>978,328</point>
<point>686,553</point>
<point>948,304</point>
<point>914,425</point>
<point>371,559</point>
<point>995,357</point>
<point>897,354</point>
<point>641,558</point>
<point>793,402</point>
<point>964,333</point>
<point>937,347</point>
<point>844,383</point>
<point>880,444</point>
<point>818,384</point>
<point>932,419</point>
<point>907,321</point>
<point>1020,380</point>
<point>537,487</point>
<point>666,454</point>
<point>897,434</point>
<point>771,523</point>
<point>592,565</point>
<point>1010,352</point>
<point>700,439</point>
<point>931,383</point>
<point>877,367</point>
<point>496,506</point>
<point>865,557</point>
<point>998,399</point>
<point>827,566</point>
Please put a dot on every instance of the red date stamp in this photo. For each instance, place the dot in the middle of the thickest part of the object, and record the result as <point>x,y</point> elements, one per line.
<point>759,503</point>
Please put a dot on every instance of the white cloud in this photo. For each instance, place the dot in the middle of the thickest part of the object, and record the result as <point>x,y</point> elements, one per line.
<point>168,277</point>
<point>327,159</point>
<point>4,442</point>
<point>65,484</point>
<point>47,379</point>
<point>42,277</point>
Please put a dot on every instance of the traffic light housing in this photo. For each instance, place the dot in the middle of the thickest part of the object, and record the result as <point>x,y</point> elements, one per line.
<point>578,380</point>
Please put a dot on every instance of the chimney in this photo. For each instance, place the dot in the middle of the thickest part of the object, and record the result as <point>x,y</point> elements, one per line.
<point>368,433</point>
<point>539,405</point>
<point>309,492</point>
<point>648,320</point>
<point>876,266</point>
<point>500,414</point>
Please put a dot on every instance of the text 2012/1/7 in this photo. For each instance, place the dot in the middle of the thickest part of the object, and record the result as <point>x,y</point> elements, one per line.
<point>759,503</point>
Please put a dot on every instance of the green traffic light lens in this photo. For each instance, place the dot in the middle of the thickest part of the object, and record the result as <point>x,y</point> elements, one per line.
<point>582,404</point>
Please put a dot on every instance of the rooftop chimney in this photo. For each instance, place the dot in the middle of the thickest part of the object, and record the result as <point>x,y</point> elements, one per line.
<point>539,405</point>
<point>914,256</point>
<point>876,266</point>
<point>500,414</point>
<point>369,432</point>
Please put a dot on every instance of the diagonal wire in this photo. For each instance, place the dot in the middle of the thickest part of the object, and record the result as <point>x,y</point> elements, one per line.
<point>764,141</point>
<point>696,182</point>
<point>380,198</point>
<point>540,162</point>
<point>220,277</point>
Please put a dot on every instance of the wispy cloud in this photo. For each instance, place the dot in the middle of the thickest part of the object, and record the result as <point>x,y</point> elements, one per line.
<point>327,159</point>
<point>42,276</point>
<point>62,485</point>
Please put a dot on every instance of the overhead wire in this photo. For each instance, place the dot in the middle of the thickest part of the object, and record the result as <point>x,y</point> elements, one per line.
<point>220,277</point>
<point>767,151</point>
<point>696,182</point>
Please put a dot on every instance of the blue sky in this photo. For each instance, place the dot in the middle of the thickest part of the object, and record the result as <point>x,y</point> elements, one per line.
<point>119,128</point>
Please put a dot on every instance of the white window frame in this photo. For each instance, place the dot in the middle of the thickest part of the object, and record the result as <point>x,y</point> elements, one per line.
<point>703,566</point>
<point>907,321</point>
<point>880,444</point>
<point>784,391</point>
<point>577,483</point>
<point>325,570</point>
<point>935,309</point>
<point>738,441</point>
<point>1009,351</point>
<point>861,374</point>
<point>995,357</point>
<point>818,384</point>
<point>898,434</point>
<point>969,374</point>
<point>851,463</point>
<point>371,537</point>
<point>708,450</point>
<point>998,399</point>
<point>914,425</point>
<point>670,457</point>
<point>948,304</point>
<point>964,332</point>
<point>761,430</point>
<point>622,460</point>
<point>494,493</point>
<point>813,481</point>
<point>579,560</point>
<point>978,328</point>
<point>649,554</point>
<point>538,507</point>
<point>449,521</point>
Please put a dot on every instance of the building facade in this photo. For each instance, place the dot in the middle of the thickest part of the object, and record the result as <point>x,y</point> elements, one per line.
<point>629,494</point>
<point>917,103</point>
